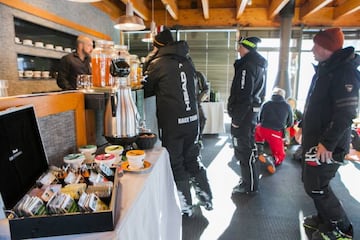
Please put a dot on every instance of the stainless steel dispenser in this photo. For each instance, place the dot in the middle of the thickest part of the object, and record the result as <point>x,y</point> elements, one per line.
<point>121,115</point>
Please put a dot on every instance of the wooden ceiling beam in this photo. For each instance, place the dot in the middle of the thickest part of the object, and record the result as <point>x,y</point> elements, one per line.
<point>313,6</point>
<point>276,6</point>
<point>240,7</point>
<point>171,7</point>
<point>205,7</point>
<point>254,17</point>
<point>346,8</point>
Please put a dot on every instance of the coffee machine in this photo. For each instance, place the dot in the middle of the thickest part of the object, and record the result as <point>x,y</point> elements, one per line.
<point>121,117</point>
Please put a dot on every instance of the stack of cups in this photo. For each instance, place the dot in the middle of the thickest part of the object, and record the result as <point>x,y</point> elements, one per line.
<point>3,88</point>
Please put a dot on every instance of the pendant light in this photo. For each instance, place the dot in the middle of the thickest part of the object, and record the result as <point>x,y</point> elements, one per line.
<point>84,1</point>
<point>129,22</point>
<point>149,37</point>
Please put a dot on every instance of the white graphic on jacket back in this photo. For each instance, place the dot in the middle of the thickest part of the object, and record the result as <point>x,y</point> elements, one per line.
<point>185,91</point>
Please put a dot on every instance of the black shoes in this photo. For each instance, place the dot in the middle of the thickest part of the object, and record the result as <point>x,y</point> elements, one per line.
<point>320,232</point>
<point>312,222</point>
<point>265,159</point>
<point>335,234</point>
<point>241,188</point>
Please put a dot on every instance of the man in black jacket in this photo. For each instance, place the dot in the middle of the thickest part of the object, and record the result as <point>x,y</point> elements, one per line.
<point>75,63</point>
<point>246,96</point>
<point>331,105</point>
<point>171,78</point>
<point>275,116</point>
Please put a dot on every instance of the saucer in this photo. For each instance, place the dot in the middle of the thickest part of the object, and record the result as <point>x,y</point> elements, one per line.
<point>125,166</point>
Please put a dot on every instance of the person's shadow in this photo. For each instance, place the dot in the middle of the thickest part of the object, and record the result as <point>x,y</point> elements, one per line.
<point>194,226</point>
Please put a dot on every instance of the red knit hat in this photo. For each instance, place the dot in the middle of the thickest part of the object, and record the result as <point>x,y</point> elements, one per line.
<point>331,39</point>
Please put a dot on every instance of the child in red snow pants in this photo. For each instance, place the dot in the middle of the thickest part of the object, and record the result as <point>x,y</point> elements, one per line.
<point>275,140</point>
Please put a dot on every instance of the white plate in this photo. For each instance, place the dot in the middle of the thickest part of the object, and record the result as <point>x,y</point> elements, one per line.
<point>125,166</point>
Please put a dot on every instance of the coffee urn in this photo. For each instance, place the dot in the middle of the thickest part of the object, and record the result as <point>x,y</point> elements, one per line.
<point>121,115</point>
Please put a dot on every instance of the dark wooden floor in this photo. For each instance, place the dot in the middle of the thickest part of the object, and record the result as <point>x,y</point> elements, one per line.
<point>275,212</point>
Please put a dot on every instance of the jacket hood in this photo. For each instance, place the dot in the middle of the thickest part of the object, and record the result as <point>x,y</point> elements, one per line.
<point>340,57</point>
<point>180,48</point>
<point>277,98</point>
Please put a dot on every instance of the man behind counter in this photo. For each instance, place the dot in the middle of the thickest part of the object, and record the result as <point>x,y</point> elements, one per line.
<point>75,63</point>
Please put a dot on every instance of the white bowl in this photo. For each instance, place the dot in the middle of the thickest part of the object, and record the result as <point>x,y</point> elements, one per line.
<point>89,152</point>
<point>135,158</point>
<point>74,159</point>
<point>49,46</point>
<point>108,159</point>
<point>39,44</point>
<point>27,42</point>
<point>68,50</point>
<point>59,48</point>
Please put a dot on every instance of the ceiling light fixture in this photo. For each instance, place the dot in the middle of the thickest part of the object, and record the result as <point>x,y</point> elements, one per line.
<point>153,31</point>
<point>129,22</point>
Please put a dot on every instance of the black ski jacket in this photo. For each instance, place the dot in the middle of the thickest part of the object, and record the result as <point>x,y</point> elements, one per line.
<point>248,86</point>
<point>276,114</point>
<point>332,102</point>
<point>171,78</point>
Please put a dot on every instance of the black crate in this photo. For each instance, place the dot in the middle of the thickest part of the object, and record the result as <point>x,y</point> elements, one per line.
<point>22,161</point>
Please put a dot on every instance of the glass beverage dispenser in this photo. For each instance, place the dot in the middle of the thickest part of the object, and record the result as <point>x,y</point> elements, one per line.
<point>101,61</point>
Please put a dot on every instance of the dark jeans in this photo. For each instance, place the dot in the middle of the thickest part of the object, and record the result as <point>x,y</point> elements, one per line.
<point>245,151</point>
<point>317,186</point>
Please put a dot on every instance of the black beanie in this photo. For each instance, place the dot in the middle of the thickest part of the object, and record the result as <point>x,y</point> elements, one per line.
<point>250,42</point>
<point>163,38</point>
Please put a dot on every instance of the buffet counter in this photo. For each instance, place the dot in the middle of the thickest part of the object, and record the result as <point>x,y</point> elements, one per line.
<point>214,113</point>
<point>147,205</point>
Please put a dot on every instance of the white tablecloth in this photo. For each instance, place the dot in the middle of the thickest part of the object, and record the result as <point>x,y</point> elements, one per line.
<point>147,206</point>
<point>214,113</point>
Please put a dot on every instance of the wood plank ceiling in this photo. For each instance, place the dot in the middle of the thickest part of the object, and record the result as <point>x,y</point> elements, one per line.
<point>210,14</point>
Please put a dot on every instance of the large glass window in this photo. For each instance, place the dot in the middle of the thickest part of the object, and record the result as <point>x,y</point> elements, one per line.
<point>214,52</point>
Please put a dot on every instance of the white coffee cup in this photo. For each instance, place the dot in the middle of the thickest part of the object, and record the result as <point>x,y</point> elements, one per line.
<point>21,73</point>
<point>49,46</point>
<point>28,74</point>
<point>17,40</point>
<point>45,74</point>
<point>135,158</point>
<point>37,74</point>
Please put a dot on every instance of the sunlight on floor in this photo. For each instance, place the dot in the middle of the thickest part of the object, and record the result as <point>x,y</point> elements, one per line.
<point>350,177</point>
<point>222,179</point>
<point>302,230</point>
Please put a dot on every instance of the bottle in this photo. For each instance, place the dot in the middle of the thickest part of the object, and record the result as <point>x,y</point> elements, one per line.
<point>101,61</point>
